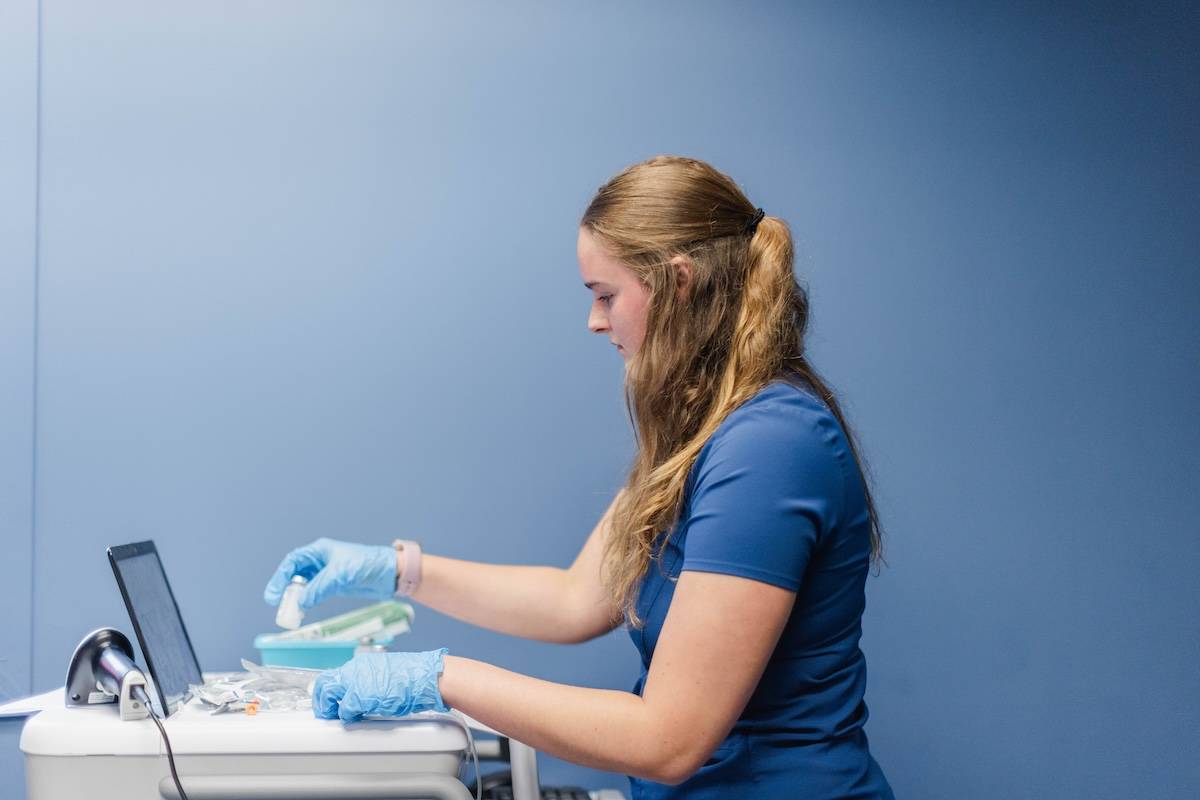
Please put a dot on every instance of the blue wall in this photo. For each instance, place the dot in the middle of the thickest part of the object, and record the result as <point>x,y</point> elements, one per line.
<point>307,268</point>
<point>18,204</point>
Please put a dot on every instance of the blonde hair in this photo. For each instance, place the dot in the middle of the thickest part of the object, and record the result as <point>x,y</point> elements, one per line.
<point>738,324</point>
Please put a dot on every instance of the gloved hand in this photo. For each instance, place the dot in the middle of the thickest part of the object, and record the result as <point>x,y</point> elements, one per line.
<point>380,684</point>
<point>333,567</point>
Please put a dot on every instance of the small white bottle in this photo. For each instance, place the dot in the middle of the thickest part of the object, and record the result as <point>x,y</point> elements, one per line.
<point>290,615</point>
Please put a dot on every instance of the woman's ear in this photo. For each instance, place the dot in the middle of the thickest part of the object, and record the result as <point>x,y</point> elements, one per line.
<point>683,275</point>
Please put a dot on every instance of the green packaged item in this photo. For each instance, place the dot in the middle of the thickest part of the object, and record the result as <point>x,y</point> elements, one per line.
<point>332,642</point>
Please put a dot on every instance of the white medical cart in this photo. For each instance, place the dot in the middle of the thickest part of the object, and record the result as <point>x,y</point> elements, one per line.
<point>90,753</point>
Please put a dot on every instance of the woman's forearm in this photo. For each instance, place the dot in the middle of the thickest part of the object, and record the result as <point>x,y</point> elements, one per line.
<point>531,602</point>
<point>600,728</point>
<point>543,603</point>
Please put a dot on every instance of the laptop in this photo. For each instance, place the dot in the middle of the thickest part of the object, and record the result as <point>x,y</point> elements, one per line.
<point>157,623</point>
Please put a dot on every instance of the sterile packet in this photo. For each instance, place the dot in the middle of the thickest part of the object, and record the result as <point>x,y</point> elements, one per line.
<point>258,689</point>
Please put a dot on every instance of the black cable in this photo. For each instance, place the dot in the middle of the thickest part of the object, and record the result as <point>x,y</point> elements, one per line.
<point>140,694</point>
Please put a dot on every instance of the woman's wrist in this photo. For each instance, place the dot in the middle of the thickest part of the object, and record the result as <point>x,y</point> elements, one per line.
<point>450,678</point>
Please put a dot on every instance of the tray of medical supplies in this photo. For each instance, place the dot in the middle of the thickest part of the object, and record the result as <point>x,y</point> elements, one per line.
<point>332,642</point>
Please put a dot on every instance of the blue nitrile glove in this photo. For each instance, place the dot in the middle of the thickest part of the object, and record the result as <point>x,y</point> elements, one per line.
<point>380,684</point>
<point>333,567</point>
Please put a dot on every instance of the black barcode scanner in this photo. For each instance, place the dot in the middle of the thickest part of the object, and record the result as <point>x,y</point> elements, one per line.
<point>102,671</point>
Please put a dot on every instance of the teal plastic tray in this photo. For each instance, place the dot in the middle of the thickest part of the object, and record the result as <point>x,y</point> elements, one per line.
<point>310,653</point>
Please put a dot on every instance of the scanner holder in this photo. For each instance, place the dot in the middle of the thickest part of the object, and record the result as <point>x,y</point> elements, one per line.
<point>102,671</point>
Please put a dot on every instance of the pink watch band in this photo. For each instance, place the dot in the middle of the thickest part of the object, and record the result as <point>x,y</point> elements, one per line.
<point>409,577</point>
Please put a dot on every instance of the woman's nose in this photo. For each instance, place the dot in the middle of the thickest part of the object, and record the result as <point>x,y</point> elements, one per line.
<point>597,322</point>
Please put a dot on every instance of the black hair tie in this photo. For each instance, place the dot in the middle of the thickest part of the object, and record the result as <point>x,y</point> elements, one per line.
<point>752,225</point>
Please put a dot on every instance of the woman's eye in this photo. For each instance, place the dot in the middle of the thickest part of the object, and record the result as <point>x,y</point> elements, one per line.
<point>605,298</point>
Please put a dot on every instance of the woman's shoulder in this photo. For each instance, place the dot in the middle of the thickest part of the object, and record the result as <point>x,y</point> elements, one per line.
<point>785,411</point>
<point>782,443</point>
<point>783,430</point>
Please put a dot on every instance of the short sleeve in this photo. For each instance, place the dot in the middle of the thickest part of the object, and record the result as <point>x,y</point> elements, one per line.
<point>766,488</point>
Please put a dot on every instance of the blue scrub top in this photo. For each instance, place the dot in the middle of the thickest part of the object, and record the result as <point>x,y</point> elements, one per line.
<point>775,496</point>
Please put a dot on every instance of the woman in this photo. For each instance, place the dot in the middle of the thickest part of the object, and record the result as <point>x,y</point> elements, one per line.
<point>736,552</point>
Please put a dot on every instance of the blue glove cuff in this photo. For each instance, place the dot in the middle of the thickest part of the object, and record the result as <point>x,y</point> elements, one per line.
<point>382,571</point>
<point>428,697</point>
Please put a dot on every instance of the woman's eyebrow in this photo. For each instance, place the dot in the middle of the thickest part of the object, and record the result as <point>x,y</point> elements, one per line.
<point>594,284</point>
